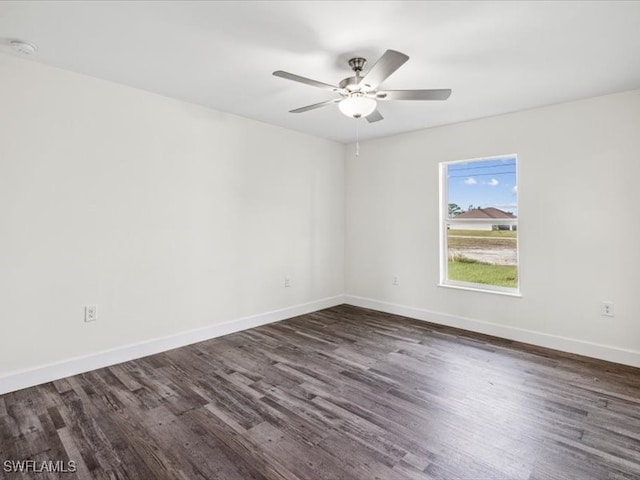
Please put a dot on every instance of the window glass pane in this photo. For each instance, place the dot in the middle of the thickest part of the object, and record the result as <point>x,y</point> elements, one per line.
<point>482,189</point>
<point>487,257</point>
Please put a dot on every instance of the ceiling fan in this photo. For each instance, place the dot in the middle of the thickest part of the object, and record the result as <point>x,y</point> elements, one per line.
<point>359,95</point>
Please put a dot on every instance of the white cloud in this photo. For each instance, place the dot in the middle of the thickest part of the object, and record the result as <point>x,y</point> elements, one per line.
<point>493,182</point>
<point>514,190</point>
<point>470,181</point>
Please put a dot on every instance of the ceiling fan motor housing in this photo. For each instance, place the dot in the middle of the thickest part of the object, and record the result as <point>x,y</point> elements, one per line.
<point>350,83</point>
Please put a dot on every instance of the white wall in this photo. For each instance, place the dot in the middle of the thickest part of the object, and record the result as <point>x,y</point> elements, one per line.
<point>168,216</point>
<point>579,170</point>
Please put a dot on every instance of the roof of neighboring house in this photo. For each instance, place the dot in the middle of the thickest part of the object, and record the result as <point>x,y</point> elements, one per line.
<point>489,212</point>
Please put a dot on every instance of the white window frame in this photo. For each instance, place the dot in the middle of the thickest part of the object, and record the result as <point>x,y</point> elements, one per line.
<point>445,220</point>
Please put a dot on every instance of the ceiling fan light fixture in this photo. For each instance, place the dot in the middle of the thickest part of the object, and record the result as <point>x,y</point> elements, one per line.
<point>357,106</point>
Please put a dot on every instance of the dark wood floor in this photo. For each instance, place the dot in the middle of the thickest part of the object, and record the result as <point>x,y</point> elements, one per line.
<point>344,393</point>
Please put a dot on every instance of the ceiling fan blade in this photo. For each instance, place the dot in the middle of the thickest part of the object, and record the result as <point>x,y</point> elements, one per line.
<point>383,68</point>
<point>376,116</point>
<point>306,81</point>
<point>433,94</point>
<point>315,105</point>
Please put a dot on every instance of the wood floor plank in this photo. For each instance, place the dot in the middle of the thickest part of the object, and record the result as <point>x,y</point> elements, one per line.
<point>343,393</point>
<point>3,407</point>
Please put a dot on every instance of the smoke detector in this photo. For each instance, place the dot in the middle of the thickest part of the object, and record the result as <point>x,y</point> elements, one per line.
<point>23,48</point>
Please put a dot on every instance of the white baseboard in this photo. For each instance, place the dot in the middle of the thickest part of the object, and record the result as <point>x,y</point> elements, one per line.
<point>565,344</point>
<point>46,373</point>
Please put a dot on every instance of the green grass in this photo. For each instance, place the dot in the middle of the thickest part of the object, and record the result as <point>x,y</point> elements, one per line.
<point>484,233</point>
<point>467,270</point>
<point>464,269</point>
<point>488,242</point>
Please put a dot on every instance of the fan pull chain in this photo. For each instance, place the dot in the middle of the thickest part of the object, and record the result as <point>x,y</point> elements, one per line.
<point>357,139</point>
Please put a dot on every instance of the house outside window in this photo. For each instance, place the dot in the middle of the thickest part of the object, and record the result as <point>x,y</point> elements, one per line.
<point>479,224</point>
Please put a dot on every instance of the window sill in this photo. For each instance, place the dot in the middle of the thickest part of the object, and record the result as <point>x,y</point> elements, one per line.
<point>482,290</point>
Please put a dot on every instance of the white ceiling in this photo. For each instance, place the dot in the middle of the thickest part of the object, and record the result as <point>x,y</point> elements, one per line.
<point>497,57</point>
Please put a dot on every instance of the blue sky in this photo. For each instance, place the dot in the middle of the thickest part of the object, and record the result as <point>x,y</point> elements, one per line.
<point>484,183</point>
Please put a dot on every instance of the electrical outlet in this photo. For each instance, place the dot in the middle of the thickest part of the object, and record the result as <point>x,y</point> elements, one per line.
<point>395,281</point>
<point>90,313</point>
<point>607,309</point>
<point>287,282</point>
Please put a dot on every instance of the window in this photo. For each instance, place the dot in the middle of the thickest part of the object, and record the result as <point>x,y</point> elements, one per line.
<point>479,224</point>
